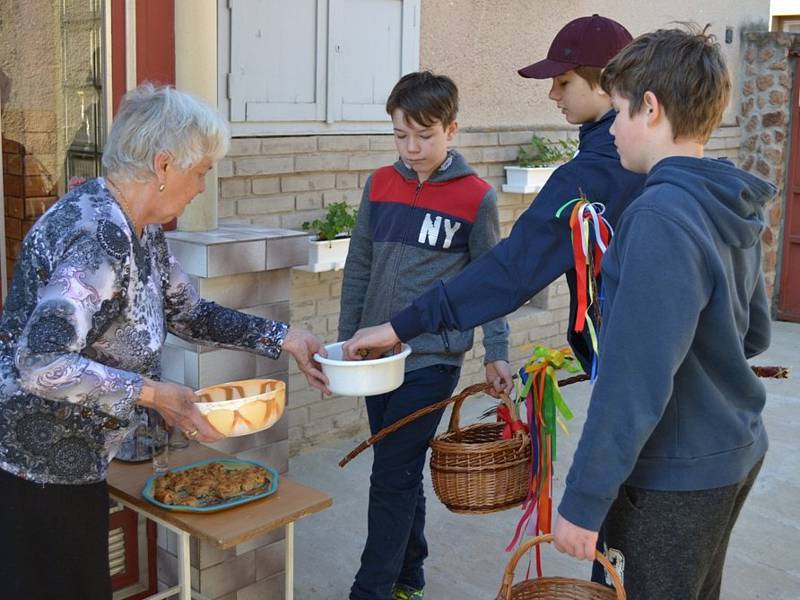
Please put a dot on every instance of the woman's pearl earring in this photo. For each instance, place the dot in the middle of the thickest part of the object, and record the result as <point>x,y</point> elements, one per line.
<point>162,187</point>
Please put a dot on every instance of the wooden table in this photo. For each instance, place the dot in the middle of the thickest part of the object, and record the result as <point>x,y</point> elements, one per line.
<point>223,529</point>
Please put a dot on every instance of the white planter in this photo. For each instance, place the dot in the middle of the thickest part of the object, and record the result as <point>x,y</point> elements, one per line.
<point>526,180</point>
<point>328,255</point>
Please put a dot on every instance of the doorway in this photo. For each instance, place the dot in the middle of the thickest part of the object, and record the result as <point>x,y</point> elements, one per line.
<point>789,295</point>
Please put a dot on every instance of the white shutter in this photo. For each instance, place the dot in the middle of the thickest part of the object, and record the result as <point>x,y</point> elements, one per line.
<point>372,44</point>
<point>277,58</point>
<point>313,66</point>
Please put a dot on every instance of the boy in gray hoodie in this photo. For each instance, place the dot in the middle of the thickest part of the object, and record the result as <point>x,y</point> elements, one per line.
<point>675,414</point>
<point>421,220</point>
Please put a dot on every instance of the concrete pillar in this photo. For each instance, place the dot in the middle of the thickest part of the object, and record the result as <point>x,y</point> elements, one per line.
<point>196,73</point>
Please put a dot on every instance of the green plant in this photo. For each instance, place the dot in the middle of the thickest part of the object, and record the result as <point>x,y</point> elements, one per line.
<point>540,152</point>
<point>340,219</point>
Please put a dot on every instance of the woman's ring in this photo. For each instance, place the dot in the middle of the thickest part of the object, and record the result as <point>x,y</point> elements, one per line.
<point>191,434</point>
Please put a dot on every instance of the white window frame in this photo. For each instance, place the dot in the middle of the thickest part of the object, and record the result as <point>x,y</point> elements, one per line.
<point>326,125</point>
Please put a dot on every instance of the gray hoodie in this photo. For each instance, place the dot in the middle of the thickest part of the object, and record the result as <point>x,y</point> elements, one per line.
<point>409,236</point>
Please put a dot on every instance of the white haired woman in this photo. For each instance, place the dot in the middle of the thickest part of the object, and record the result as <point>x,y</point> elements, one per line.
<point>94,292</point>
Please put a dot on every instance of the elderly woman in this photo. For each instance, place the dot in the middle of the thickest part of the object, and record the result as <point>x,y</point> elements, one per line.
<point>94,293</point>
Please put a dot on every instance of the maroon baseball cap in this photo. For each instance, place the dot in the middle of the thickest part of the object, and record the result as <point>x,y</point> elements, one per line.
<point>584,42</point>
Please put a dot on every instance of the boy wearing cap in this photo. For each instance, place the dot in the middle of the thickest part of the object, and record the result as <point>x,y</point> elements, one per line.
<point>539,248</point>
<point>675,413</point>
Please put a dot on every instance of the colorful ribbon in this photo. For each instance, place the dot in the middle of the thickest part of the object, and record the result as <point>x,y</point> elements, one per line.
<point>591,234</point>
<point>545,408</point>
<point>513,425</point>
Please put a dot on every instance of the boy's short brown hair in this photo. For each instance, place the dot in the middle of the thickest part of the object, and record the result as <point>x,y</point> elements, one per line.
<point>589,74</point>
<point>425,98</point>
<point>684,69</point>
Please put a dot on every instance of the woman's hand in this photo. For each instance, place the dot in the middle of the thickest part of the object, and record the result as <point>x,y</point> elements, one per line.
<point>498,373</point>
<point>370,342</point>
<point>302,345</point>
<point>176,403</point>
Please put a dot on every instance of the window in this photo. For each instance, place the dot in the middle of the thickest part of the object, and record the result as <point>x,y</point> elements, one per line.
<point>786,23</point>
<point>314,66</point>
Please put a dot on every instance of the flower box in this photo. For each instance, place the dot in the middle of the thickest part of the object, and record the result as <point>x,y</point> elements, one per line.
<point>328,255</point>
<point>526,180</point>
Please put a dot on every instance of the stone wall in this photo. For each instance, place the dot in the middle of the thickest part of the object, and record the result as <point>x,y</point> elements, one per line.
<point>765,117</point>
<point>282,182</point>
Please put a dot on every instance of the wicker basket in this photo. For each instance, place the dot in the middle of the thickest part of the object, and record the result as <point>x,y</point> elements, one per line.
<point>557,588</point>
<point>474,470</point>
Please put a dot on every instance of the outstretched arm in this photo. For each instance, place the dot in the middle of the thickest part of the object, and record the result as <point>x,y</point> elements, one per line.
<point>535,254</point>
<point>198,320</point>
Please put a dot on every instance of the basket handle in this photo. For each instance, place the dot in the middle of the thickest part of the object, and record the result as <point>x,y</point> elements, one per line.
<point>508,575</point>
<point>468,391</point>
<point>455,417</point>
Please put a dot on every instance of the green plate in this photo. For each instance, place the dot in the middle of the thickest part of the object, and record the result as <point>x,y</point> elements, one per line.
<point>231,464</point>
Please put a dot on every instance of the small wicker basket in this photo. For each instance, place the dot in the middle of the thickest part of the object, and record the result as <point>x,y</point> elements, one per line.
<point>557,588</point>
<point>475,471</point>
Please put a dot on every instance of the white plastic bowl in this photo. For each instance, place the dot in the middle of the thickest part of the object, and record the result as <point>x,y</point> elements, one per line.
<point>363,377</point>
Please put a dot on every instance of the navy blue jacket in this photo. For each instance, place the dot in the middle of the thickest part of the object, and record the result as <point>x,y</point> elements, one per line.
<point>675,406</point>
<point>537,251</point>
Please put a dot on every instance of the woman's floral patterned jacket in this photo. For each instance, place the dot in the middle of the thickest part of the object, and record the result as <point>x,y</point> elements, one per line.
<point>85,320</point>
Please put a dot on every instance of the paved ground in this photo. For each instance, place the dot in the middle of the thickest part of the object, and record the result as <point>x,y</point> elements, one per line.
<point>466,552</point>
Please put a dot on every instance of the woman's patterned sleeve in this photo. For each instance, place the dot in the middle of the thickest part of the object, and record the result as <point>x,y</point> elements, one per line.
<point>84,293</point>
<point>197,320</point>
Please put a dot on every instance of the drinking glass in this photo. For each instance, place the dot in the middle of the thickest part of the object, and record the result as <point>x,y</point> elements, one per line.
<point>159,448</point>
<point>177,439</point>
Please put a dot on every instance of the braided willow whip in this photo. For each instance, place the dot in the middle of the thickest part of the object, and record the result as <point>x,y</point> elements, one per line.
<point>762,371</point>
<point>468,391</point>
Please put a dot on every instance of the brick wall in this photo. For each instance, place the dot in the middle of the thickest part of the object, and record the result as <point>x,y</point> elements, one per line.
<point>764,114</point>
<point>28,184</point>
<point>282,182</point>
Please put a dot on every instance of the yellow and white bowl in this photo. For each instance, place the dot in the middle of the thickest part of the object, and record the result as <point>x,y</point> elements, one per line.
<point>243,407</point>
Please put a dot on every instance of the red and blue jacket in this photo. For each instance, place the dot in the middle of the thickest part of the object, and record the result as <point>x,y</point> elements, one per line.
<point>411,235</point>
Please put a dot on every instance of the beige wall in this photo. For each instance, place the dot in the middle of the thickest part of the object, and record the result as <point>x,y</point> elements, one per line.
<point>28,59</point>
<point>481,44</point>
<point>28,53</point>
<point>784,7</point>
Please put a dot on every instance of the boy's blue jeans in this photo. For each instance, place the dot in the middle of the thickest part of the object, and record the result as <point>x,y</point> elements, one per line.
<point>396,546</point>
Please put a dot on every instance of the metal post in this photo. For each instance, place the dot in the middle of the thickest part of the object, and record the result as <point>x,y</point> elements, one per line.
<point>289,550</point>
<point>184,566</point>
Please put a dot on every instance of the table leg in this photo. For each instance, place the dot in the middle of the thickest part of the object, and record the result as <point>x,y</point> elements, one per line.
<point>289,578</point>
<point>184,566</point>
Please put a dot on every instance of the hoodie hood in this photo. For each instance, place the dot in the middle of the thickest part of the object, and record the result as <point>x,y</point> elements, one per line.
<point>733,199</point>
<point>453,167</point>
<point>594,137</point>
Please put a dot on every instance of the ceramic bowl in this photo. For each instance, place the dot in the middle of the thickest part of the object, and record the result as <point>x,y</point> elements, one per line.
<point>243,407</point>
<point>363,377</point>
